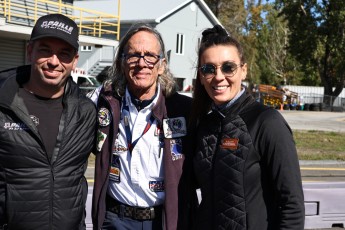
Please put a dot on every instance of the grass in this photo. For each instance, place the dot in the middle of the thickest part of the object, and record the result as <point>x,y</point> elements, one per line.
<point>320,145</point>
<point>311,145</point>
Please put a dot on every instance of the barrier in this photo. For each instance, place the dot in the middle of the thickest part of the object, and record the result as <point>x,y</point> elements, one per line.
<point>324,204</point>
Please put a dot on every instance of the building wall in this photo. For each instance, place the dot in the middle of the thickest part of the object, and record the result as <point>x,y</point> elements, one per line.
<point>189,21</point>
<point>85,55</point>
<point>13,46</point>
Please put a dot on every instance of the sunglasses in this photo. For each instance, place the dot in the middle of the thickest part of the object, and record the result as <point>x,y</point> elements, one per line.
<point>228,69</point>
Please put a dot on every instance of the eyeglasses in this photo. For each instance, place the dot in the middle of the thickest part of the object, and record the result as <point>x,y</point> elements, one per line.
<point>228,69</point>
<point>149,58</point>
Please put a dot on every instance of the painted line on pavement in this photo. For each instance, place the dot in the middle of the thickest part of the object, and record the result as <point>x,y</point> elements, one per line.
<point>323,169</point>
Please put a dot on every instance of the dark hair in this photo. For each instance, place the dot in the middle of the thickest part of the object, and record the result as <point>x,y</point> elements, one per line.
<point>210,37</point>
<point>116,73</point>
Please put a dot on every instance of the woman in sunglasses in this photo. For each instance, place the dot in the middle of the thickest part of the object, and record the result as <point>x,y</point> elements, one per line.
<point>245,160</point>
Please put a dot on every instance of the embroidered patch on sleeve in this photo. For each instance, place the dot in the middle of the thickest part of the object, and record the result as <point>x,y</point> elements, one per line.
<point>104,117</point>
<point>174,127</point>
<point>115,169</point>
<point>176,149</point>
<point>100,139</point>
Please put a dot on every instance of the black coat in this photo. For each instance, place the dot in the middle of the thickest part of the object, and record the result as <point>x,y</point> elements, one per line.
<point>37,192</point>
<point>247,168</point>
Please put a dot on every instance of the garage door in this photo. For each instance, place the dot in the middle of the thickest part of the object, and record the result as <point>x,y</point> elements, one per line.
<point>12,53</point>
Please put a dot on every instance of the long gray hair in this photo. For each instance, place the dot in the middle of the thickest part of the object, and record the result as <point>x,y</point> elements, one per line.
<point>116,74</point>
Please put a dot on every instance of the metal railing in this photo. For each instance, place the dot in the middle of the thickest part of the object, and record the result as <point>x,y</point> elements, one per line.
<point>90,22</point>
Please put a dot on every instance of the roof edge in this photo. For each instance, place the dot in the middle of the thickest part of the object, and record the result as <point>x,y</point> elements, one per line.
<point>201,4</point>
<point>208,11</point>
<point>159,19</point>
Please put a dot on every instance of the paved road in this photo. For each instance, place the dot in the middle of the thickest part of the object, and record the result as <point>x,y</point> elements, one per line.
<point>312,120</point>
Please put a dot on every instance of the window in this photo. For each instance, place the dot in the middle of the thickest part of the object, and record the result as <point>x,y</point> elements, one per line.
<point>86,48</point>
<point>179,43</point>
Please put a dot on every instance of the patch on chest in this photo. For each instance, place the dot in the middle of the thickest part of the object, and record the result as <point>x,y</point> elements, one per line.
<point>229,143</point>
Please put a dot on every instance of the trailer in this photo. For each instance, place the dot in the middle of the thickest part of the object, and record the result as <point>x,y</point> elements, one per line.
<point>277,98</point>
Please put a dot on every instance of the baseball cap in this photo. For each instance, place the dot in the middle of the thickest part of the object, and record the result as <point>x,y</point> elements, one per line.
<point>56,26</point>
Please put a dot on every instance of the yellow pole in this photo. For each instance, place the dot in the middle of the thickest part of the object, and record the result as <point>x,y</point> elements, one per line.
<point>5,8</point>
<point>35,12</point>
<point>60,4</point>
<point>118,20</point>
<point>100,26</point>
<point>9,10</point>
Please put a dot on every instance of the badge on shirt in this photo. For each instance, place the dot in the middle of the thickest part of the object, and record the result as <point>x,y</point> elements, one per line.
<point>176,149</point>
<point>174,127</point>
<point>115,169</point>
<point>104,117</point>
<point>156,186</point>
<point>100,139</point>
<point>229,143</point>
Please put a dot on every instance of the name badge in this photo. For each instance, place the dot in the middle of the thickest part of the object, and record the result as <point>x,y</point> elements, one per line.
<point>229,143</point>
<point>174,127</point>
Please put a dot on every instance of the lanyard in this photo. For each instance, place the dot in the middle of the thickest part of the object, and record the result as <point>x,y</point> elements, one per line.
<point>126,114</point>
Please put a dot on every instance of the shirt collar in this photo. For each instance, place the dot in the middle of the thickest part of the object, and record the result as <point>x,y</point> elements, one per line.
<point>229,103</point>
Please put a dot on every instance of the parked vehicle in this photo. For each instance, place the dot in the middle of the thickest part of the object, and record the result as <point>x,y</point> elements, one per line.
<point>86,82</point>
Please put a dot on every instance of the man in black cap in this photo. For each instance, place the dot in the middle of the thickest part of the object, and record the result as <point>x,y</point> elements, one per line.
<point>46,133</point>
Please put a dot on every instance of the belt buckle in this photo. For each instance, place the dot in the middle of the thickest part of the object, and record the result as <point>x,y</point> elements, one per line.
<point>143,213</point>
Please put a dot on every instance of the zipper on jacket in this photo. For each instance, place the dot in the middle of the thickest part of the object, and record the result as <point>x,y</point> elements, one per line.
<point>51,200</point>
<point>214,158</point>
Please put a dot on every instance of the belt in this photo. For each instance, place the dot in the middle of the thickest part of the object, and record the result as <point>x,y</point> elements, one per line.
<point>136,213</point>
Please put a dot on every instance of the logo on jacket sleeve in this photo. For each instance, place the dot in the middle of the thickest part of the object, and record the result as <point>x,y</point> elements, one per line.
<point>174,127</point>
<point>12,126</point>
<point>104,117</point>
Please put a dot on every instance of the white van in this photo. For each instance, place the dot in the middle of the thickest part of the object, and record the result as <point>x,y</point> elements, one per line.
<point>85,82</point>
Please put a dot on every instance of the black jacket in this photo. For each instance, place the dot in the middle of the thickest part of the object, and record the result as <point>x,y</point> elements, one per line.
<point>36,192</point>
<point>247,168</point>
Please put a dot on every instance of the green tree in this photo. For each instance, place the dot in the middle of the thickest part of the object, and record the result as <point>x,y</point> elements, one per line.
<point>264,38</point>
<point>265,42</point>
<point>317,39</point>
<point>276,64</point>
<point>231,14</point>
